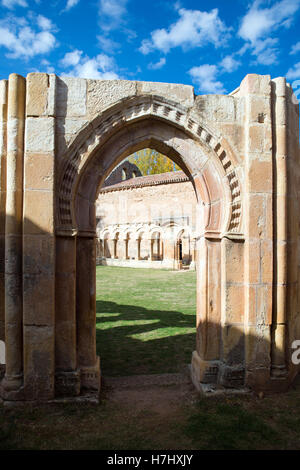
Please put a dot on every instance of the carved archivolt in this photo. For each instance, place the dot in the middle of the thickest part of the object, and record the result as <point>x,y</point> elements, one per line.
<point>109,122</point>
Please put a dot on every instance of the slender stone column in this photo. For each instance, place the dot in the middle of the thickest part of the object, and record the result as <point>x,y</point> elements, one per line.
<point>88,362</point>
<point>193,254</point>
<point>114,254</point>
<point>279,324</point>
<point>13,233</point>
<point>199,365</point>
<point>3,143</point>
<point>150,258</point>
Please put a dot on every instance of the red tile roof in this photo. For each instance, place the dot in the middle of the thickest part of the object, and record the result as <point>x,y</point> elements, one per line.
<point>148,180</point>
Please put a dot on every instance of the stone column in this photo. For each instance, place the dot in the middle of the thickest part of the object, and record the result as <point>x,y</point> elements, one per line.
<point>39,238</point>
<point>126,243</point>
<point>67,377</point>
<point>88,362</point>
<point>232,373</point>
<point>115,241</point>
<point>3,144</point>
<point>193,254</point>
<point>150,258</point>
<point>205,360</point>
<point>258,222</point>
<point>13,234</point>
<point>279,324</point>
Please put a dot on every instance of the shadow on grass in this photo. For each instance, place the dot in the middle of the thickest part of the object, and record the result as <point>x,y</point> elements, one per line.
<point>133,340</point>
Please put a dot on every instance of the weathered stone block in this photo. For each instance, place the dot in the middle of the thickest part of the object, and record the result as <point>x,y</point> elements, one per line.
<point>39,171</point>
<point>182,94</point>
<point>38,300</point>
<point>40,135</point>
<point>36,94</point>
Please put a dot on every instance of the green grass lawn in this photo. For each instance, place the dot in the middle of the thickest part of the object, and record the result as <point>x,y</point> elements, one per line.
<point>145,320</point>
<point>146,324</point>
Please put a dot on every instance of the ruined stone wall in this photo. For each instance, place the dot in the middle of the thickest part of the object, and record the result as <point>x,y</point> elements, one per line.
<point>59,140</point>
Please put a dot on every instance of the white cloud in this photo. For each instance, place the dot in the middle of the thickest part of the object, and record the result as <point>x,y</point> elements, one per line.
<point>157,65</point>
<point>23,41</point>
<point>205,76</point>
<point>295,48</point>
<point>14,3</point>
<point>44,23</point>
<point>294,72</point>
<point>100,67</point>
<point>265,51</point>
<point>194,28</point>
<point>230,64</point>
<point>111,13</point>
<point>71,58</point>
<point>259,23</point>
<point>107,44</point>
<point>70,4</point>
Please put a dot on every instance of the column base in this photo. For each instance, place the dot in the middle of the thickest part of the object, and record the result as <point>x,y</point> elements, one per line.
<point>67,384</point>
<point>279,372</point>
<point>213,375</point>
<point>232,376</point>
<point>206,372</point>
<point>90,377</point>
<point>11,388</point>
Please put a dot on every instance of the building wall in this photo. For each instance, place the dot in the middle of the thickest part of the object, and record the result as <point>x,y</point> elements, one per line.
<point>145,226</point>
<point>147,204</point>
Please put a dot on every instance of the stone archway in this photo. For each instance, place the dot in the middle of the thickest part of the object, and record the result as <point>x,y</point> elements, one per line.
<point>76,131</point>
<point>214,209</point>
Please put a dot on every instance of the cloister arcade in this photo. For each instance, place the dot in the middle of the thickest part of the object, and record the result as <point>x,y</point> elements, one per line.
<point>147,245</point>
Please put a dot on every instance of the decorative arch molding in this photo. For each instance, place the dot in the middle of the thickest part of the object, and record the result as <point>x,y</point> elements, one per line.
<point>94,135</point>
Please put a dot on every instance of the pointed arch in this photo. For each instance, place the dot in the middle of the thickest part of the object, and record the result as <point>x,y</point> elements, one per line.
<point>166,126</point>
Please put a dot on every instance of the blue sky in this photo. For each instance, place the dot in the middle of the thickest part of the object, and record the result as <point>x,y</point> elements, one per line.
<point>211,45</point>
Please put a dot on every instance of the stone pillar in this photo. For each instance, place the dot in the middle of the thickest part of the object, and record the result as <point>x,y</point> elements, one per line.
<point>3,144</point>
<point>13,235</point>
<point>258,210</point>
<point>279,324</point>
<point>126,246</point>
<point>150,258</point>
<point>88,362</point>
<point>67,377</point>
<point>193,254</point>
<point>232,370</point>
<point>205,360</point>
<point>39,238</point>
<point>178,261</point>
<point>115,242</point>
